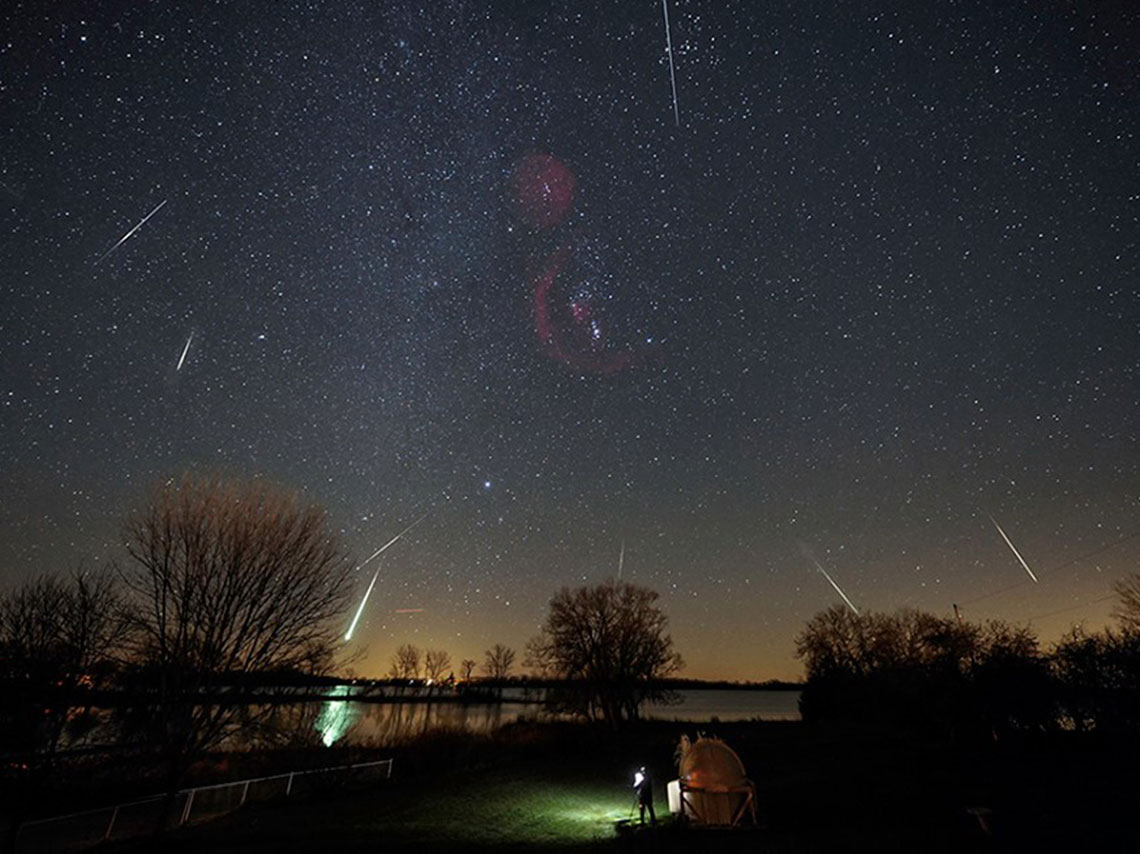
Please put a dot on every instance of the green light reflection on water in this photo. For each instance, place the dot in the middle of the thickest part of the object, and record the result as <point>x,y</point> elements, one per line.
<point>335,717</point>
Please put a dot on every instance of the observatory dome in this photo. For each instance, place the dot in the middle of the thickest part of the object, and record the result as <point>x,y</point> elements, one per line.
<point>712,765</point>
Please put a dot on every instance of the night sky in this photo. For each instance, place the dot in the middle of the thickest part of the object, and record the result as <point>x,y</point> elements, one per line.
<point>458,258</point>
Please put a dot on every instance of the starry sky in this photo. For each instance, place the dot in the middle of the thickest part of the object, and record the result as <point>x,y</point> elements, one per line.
<point>875,286</point>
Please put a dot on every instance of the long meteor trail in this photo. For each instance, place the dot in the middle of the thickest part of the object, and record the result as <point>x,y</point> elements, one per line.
<point>1013,549</point>
<point>375,575</point>
<point>819,566</point>
<point>392,541</point>
<point>185,350</point>
<point>669,51</point>
<point>128,235</point>
<point>363,602</point>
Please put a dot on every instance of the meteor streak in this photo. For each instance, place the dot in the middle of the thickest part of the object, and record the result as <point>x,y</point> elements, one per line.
<point>392,541</point>
<point>409,610</point>
<point>360,610</point>
<point>669,51</point>
<point>128,235</point>
<point>819,566</point>
<point>621,559</point>
<point>1013,549</point>
<point>369,559</point>
<point>185,350</point>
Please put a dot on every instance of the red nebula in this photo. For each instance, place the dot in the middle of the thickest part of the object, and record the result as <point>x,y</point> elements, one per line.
<point>578,341</point>
<point>544,190</point>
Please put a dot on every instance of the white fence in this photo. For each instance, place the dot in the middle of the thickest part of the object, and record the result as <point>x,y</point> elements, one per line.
<point>79,830</point>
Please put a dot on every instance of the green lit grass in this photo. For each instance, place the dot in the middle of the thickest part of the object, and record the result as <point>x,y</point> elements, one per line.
<point>516,807</point>
<point>510,808</point>
<point>820,789</point>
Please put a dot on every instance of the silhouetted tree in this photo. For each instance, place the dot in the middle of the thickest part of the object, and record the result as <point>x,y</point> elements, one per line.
<point>1013,681</point>
<point>1099,672</point>
<point>1099,675</point>
<point>498,661</point>
<point>405,663</point>
<point>228,579</point>
<point>1127,610</point>
<point>436,662</point>
<point>609,643</point>
<point>467,668</point>
<point>915,668</point>
<point>867,666</point>
<point>59,642</point>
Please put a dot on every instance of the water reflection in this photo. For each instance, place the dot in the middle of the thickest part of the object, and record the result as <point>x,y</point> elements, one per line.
<point>350,714</point>
<point>390,723</point>
<point>336,716</point>
<point>341,718</point>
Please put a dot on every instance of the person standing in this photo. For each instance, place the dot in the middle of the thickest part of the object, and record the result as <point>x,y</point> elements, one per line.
<point>644,787</point>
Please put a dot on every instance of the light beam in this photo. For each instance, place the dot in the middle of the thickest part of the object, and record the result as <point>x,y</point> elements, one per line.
<point>669,51</point>
<point>185,350</point>
<point>1013,549</point>
<point>392,541</point>
<point>369,559</point>
<point>819,566</point>
<point>363,602</point>
<point>128,235</point>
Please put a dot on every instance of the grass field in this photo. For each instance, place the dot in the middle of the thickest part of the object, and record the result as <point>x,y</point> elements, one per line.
<point>566,790</point>
<point>504,808</point>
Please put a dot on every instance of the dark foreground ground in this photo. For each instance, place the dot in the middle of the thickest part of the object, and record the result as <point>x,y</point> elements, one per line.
<point>564,789</point>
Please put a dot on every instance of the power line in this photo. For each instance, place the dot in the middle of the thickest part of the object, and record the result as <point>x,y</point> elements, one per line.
<point>1071,608</point>
<point>1059,566</point>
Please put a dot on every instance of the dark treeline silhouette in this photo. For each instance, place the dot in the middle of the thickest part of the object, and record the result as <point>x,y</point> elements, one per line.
<point>437,674</point>
<point>228,606</point>
<point>223,578</point>
<point>608,648</point>
<point>223,581</point>
<point>59,650</point>
<point>676,683</point>
<point>971,680</point>
<point>1098,679</point>
<point>219,628</point>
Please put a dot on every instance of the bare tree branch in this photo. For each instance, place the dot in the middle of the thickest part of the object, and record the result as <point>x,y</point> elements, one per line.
<point>498,660</point>
<point>609,643</point>
<point>59,640</point>
<point>228,579</point>
<point>405,662</point>
<point>436,663</point>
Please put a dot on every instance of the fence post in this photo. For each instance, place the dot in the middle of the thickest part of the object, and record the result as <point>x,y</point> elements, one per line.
<point>188,806</point>
<point>186,809</point>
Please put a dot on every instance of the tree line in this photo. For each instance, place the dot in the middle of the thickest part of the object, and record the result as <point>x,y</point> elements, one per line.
<point>963,679</point>
<point>221,580</point>
<point>405,663</point>
<point>227,584</point>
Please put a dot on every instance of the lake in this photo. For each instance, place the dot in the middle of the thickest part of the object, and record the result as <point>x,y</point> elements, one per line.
<point>730,705</point>
<point>345,720</point>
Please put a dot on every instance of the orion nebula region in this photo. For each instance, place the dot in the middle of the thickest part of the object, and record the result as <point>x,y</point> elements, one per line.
<point>572,314</point>
<point>707,295</point>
